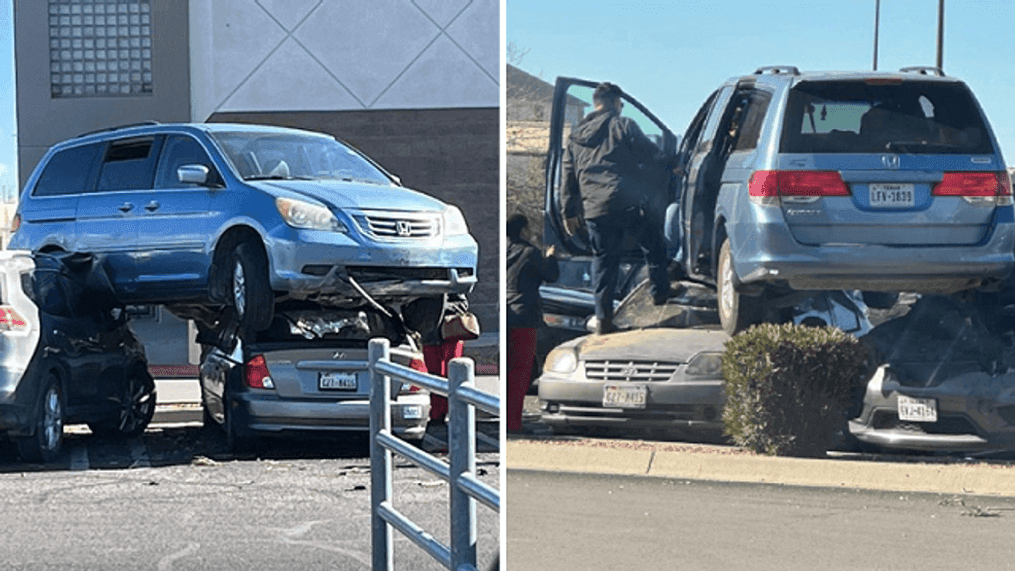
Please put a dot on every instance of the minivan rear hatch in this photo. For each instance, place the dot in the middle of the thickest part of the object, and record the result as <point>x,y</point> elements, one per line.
<point>886,160</point>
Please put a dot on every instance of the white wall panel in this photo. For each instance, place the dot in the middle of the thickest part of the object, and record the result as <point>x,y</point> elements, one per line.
<point>302,55</point>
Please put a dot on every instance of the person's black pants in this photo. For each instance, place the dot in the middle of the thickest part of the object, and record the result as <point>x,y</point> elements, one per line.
<point>606,234</point>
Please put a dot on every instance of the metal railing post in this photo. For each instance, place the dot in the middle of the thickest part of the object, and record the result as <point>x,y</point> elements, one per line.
<point>462,452</point>
<point>380,458</point>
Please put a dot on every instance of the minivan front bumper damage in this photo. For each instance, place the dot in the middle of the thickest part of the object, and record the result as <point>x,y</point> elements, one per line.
<point>314,265</point>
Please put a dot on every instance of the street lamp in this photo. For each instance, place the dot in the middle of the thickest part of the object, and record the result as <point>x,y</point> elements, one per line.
<point>877,19</point>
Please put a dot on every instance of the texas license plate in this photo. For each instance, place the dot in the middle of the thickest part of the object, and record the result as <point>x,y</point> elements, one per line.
<point>618,395</point>
<point>917,410</point>
<point>893,195</point>
<point>337,381</point>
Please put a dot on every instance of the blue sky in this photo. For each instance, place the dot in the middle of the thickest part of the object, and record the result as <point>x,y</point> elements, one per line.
<point>8,130</point>
<point>671,54</point>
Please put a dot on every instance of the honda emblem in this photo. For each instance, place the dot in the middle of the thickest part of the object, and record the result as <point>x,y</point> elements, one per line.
<point>890,161</point>
<point>404,228</point>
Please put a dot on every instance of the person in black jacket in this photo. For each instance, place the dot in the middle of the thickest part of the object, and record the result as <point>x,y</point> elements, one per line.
<point>604,183</point>
<point>527,268</point>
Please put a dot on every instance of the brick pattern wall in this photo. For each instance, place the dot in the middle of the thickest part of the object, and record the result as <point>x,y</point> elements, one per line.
<point>451,154</point>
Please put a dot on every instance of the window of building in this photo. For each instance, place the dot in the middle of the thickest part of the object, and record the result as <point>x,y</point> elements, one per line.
<point>100,48</point>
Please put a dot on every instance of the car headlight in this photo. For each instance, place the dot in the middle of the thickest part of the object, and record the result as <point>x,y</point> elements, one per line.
<point>308,216</point>
<point>454,222</point>
<point>705,365</point>
<point>561,360</point>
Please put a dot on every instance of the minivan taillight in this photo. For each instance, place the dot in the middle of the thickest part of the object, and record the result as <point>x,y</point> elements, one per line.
<point>256,375</point>
<point>973,184</point>
<point>797,183</point>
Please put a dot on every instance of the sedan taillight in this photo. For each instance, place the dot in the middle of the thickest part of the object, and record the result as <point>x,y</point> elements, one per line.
<point>256,375</point>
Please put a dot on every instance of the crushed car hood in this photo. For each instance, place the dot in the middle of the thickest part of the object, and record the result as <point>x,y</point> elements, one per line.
<point>651,344</point>
<point>344,194</point>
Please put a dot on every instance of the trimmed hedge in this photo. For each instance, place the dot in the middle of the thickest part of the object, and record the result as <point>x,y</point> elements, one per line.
<point>789,387</point>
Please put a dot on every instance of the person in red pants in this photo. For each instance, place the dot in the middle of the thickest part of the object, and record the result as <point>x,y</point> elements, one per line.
<point>527,268</point>
<point>437,352</point>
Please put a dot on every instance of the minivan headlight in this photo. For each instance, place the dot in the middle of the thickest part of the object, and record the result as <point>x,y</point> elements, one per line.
<point>300,214</point>
<point>454,222</point>
<point>561,360</point>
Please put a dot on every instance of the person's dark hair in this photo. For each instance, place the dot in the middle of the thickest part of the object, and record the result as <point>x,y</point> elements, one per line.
<point>516,224</point>
<point>606,94</point>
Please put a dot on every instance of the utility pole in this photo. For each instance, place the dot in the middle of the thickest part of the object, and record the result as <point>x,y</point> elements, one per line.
<point>940,34</point>
<point>877,21</point>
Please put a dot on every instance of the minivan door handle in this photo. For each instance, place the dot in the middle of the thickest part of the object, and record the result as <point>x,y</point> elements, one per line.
<point>126,207</point>
<point>151,206</point>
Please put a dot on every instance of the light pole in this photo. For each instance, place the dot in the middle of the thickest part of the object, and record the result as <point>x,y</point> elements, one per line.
<point>940,34</point>
<point>877,21</point>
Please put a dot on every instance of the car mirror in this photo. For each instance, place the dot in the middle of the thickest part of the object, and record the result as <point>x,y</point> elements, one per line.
<point>398,179</point>
<point>194,174</point>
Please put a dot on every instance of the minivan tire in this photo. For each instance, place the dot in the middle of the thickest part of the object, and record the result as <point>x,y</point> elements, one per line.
<point>249,291</point>
<point>45,443</point>
<point>736,312</point>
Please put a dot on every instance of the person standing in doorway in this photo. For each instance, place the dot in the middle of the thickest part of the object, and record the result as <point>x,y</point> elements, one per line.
<point>603,183</point>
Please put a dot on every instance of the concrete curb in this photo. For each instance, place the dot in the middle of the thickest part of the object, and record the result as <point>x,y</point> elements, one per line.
<point>720,463</point>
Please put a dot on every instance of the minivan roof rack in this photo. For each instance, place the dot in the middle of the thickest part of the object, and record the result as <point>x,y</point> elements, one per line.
<point>924,70</point>
<point>778,69</point>
<point>118,127</point>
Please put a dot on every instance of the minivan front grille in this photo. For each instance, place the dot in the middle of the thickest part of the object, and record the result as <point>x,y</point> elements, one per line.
<point>624,371</point>
<point>396,226</point>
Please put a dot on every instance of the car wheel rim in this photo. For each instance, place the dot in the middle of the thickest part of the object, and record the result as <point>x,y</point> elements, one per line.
<point>726,271</point>
<point>239,289</point>
<point>135,406</point>
<point>52,419</point>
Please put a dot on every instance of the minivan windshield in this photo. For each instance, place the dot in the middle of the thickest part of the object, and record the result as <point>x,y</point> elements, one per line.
<point>283,156</point>
<point>876,116</point>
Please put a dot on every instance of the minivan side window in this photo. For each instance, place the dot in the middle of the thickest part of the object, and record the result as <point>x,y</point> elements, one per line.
<point>129,164</point>
<point>753,118</point>
<point>181,150</point>
<point>69,171</point>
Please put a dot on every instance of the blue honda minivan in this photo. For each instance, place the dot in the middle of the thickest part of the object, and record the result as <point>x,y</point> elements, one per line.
<point>790,182</point>
<point>212,215</point>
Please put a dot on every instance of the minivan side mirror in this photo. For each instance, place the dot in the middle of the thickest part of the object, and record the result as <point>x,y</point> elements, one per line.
<point>195,174</point>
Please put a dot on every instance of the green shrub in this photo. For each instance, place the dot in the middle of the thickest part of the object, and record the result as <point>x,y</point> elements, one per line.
<point>789,386</point>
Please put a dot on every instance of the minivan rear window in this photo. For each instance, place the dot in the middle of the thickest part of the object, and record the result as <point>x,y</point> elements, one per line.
<point>916,117</point>
<point>68,171</point>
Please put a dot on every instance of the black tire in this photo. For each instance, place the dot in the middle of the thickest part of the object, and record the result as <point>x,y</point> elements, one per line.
<point>249,291</point>
<point>137,407</point>
<point>736,312</point>
<point>47,441</point>
<point>236,439</point>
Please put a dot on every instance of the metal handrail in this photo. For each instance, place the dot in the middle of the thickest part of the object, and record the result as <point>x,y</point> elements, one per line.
<point>465,488</point>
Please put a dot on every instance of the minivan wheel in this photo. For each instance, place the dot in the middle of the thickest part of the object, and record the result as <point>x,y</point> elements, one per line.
<point>250,292</point>
<point>45,444</point>
<point>736,312</point>
<point>137,407</point>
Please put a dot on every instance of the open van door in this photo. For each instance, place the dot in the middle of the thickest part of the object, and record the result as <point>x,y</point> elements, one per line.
<point>572,100</point>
